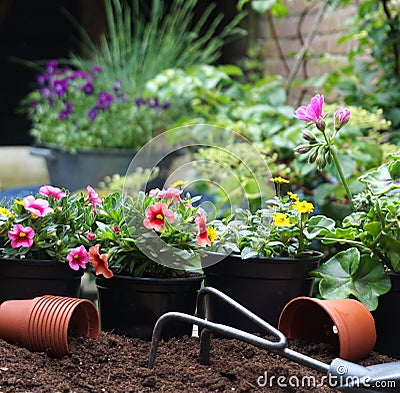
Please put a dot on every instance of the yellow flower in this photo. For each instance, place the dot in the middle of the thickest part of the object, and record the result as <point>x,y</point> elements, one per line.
<point>5,212</point>
<point>293,196</point>
<point>279,179</point>
<point>281,220</point>
<point>212,234</point>
<point>178,183</point>
<point>303,206</point>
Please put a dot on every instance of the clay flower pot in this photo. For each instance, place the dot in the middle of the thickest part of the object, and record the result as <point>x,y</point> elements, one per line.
<point>45,323</point>
<point>346,324</point>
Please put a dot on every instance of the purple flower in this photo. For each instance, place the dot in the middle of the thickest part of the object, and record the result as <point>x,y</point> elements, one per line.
<point>41,79</point>
<point>92,113</point>
<point>139,102</point>
<point>45,92</point>
<point>51,66</point>
<point>312,112</point>
<point>342,117</point>
<point>69,108</point>
<point>88,88</point>
<point>60,87</point>
<point>122,97</point>
<point>96,68</point>
<point>79,74</point>
<point>104,100</point>
<point>117,86</point>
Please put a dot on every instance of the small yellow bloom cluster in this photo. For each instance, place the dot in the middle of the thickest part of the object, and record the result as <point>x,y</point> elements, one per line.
<point>5,212</point>
<point>303,206</point>
<point>212,234</point>
<point>281,220</point>
<point>279,180</point>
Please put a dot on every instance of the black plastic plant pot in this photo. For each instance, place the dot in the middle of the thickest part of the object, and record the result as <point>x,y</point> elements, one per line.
<point>132,305</point>
<point>263,285</point>
<point>385,316</point>
<point>26,279</point>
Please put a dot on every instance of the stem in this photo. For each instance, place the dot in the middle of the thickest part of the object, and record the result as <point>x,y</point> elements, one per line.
<point>341,175</point>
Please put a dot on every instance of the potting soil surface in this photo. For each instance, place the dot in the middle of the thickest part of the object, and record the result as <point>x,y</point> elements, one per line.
<point>116,363</point>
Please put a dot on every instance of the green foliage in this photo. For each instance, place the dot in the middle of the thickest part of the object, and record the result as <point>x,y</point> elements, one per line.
<point>372,75</point>
<point>373,232</point>
<point>144,40</point>
<point>349,273</point>
<point>284,229</point>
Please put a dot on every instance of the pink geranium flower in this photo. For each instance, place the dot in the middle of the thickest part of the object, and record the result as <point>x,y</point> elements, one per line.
<point>20,236</point>
<point>202,235</point>
<point>38,207</point>
<point>78,257</point>
<point>156,215</point>
<point>312,112</point>
<point>99,261</point>
<point>342,117</point>
<point>94,199</point>
<point>90,236</point>
<point>56,192</point>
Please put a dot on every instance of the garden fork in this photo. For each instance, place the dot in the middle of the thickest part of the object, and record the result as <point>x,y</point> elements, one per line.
<point>340,374</point>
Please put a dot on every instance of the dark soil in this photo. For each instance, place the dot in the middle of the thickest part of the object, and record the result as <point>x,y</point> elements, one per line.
<point>119,364</point>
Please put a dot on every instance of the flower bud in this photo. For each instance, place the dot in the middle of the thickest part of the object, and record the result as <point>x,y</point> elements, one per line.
<point>302,149</point>
<point>341,117</point>
<point>320,123</point>
<point>321,161</point>
<point>308,136</point>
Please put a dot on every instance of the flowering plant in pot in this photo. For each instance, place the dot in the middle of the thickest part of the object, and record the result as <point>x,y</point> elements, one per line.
<point>86,111</point>
<point>43,237</point>
<point>145,257</point>
<point>370,232</point>
<point>85,108</point>
<point>262,259</point>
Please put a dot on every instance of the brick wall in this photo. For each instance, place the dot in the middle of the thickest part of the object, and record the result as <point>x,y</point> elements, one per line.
<point>293,30</point>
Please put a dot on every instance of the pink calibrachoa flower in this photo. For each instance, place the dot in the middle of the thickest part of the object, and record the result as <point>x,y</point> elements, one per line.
<point>342,117</point>
<point>171,194</point>
<point>38,207</point>
<point>99,261</point>
<point>202,234</point>
<point>156,215</point>
<point>94,199</point>
<point>78,257</point>
<point>312,112</point>
<point>91,236</point>
<point>50,190</point>
<point>20,236</point>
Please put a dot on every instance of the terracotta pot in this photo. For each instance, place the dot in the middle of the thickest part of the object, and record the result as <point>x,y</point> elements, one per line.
<point>45,323</point>
<point>345,323</point>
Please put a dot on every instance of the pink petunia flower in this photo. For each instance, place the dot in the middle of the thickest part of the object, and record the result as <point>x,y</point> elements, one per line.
<point>78,257</point>
<point>342,117</point>
<point>202,235</point>
<point>312,112</point>
<point>50,190</point>
<point>39,207</point>
<point>94,199</point>
<point>20,236</point>
<point>99,261</point>
<point>156,215</point>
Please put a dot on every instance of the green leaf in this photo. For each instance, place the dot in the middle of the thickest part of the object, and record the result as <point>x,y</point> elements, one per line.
<point>318,224</point>
<point>373,227</point>
<point>379,181</point>
<point>348,274</point>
